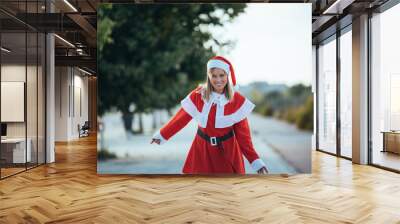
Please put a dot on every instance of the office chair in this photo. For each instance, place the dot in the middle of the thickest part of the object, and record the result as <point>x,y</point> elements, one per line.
<point>84,130</point>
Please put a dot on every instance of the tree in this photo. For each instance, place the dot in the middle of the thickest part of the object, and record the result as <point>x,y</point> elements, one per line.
<point>305,119</point>
<point>154,54</point>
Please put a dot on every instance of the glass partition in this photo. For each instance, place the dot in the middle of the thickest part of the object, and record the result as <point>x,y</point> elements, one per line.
<point>385,89</point>
<point>14,151</point>
<point>22,88</point>
<point>327,96</point>
<point>346,94</point>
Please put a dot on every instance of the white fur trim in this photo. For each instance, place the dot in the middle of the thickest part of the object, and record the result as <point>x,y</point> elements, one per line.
<point>219,99</point>
<point>257,164</point>
<point>191,109</point>
<point>218,64</point>
<point>158,135</point>
<point>222,121</point>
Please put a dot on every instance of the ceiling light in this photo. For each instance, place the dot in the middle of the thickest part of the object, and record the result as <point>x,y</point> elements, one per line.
<point>333,6</point>
<point>338,6</point>
<point>70,5</point>
<point>5,49</point>
<point>86,72</point>
<point>64,40</point>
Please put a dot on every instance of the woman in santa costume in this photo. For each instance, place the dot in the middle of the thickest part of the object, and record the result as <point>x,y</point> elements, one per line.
<point>223,134</point>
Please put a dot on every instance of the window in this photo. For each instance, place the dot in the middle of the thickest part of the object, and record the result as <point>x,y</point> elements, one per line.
<point>327,96</point>
<point>346,94</point>
<point>385,89</point>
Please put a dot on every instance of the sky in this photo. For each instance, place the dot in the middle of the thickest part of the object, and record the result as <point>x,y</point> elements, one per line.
<point>272,43</point>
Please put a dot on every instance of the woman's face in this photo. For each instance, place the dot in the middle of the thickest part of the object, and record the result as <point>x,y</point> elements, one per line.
<point>218,79</point>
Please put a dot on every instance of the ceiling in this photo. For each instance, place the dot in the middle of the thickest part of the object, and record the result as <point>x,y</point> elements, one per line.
<point>75,21</point>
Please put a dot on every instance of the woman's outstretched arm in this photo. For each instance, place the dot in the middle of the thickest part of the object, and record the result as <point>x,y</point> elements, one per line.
<point>243,136</point>
<point>173,126</point>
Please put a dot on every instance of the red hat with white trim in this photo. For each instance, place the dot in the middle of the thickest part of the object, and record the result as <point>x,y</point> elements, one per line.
<point>224,64</point>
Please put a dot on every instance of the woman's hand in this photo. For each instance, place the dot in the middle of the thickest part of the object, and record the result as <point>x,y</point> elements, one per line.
<point>158,141</point>
<point>263,170</point>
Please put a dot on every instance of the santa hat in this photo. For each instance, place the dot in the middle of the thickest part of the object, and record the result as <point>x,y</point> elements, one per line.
<point>224,64</point>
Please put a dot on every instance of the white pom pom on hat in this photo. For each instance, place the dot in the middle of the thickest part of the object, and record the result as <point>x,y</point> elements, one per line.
<point>224,64</point>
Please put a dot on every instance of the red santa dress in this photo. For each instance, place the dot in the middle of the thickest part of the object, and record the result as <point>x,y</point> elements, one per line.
<point>215,118</point>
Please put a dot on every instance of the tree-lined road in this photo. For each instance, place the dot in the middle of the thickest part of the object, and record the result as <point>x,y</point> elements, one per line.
<point>280,145</point>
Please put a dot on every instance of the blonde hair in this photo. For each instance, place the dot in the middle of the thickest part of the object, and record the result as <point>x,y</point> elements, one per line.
<point>207,88</point>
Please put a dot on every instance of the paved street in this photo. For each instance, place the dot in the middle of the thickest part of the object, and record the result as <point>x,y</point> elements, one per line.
<point>280,145</point>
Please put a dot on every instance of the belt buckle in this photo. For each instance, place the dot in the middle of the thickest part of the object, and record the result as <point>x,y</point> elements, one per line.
<point>213,141</point>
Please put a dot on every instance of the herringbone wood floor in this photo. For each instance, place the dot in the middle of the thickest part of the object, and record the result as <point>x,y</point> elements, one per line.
<point>70,191</point>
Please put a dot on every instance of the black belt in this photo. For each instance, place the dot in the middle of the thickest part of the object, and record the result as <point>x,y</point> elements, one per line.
<point>215,141</point>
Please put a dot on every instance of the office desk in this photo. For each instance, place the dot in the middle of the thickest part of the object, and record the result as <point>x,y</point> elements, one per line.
<point>391,141</point>
<point>13,150</point>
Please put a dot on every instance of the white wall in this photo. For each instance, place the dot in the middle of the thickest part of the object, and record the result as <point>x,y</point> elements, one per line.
<point>33,126</point>
<point>81,100</point>
<point>71,94</point>
<point>16,73</point>
<point>62,81</point>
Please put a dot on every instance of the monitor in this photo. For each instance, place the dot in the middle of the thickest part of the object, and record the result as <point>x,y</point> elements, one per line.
<point>3,129</point>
